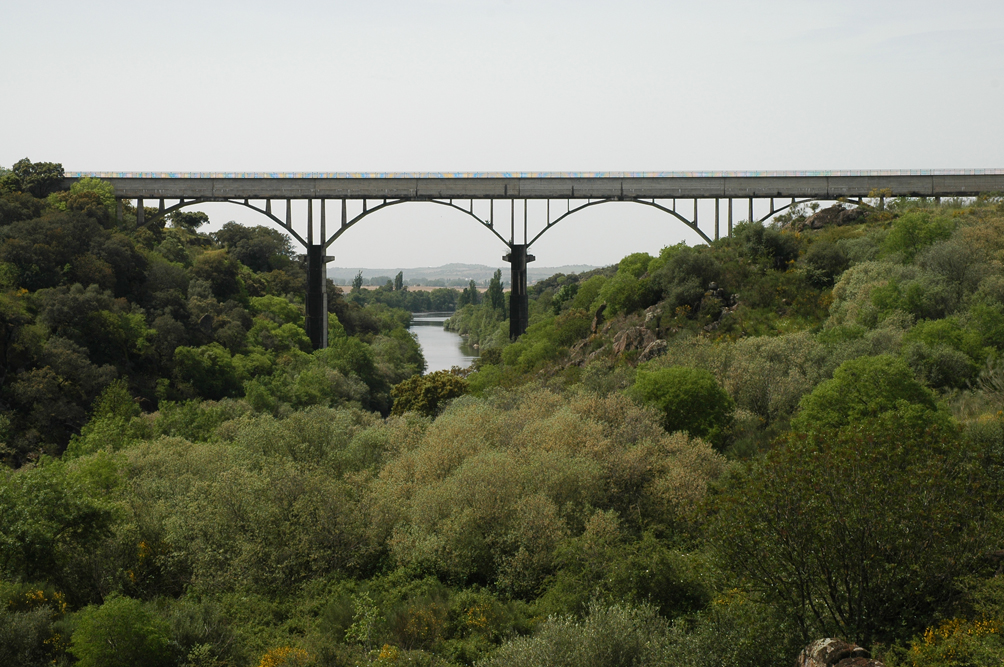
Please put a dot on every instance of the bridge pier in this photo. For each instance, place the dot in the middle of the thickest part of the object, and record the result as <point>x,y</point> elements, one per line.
<point>519,303</point>
<point>316,319</point>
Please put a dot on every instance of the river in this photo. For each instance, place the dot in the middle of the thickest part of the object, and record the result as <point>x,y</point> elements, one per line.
<point>442,349</point>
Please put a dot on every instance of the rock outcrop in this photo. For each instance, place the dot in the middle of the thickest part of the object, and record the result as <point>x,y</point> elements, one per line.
<point>834,216</point>
<point>653,350</point>
<point>634,338</point>
<point>835,653</point>
<point>598,318</point>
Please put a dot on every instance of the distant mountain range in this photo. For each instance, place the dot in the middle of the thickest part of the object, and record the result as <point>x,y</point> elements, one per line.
<point>450,274</point>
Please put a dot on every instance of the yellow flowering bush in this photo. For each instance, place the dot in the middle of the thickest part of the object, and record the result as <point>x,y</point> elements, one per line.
<point>285,656</point>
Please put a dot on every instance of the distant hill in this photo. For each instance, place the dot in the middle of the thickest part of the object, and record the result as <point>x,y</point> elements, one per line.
<point>450,274</point>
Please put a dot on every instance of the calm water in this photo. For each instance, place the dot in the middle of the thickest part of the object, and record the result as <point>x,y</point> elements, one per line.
<point>442,349</point>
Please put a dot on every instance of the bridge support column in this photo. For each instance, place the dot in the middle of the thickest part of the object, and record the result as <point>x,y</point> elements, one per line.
<point>317,296</point>
<point>519,303</point>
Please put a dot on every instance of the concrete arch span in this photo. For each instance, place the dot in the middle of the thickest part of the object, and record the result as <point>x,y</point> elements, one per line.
<point>246,203</point>
<point>551,223</point>
<point>799,202</point>
<point>347,223</point>
<point>316,302</point>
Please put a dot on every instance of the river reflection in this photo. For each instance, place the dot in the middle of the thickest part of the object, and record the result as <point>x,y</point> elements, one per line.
<point>442,349</point>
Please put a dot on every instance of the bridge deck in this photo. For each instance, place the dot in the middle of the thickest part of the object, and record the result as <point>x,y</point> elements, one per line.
<point>549,185</point>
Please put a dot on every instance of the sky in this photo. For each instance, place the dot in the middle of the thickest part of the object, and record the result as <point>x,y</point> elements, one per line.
<point>501,85</point>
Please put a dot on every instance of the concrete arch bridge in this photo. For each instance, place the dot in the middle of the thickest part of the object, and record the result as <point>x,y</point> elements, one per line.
<point>498,201</point>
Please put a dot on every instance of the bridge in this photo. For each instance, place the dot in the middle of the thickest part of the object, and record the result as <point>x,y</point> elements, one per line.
<point>356,196</point>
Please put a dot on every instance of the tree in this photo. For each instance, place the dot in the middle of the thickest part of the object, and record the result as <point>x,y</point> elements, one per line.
<point>261,249</point>
<point>49,523</point>
<point>399,281</point>
<point>220,270</point>
<point>37,178</point>
<point>495,296</point>
<point>120,633</point>
<point>915,230</point>
<point>862,388</point>
<point>689,399</point>
<point>357,282</point>
<point>92,196</point>
<point>860,532</point>
<point>208,369</point>
<point>426,394</point>
<point>470,296</point>
<point>190,220</point>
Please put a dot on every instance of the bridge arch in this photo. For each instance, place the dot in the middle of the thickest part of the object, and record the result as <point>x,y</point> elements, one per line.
<point>316,301</point>
<point>798,202</point>
<point>246,203</point>
<point>347,223</point>
<point>551,223</point>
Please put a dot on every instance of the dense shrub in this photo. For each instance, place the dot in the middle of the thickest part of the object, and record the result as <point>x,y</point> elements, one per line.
<point>426,393</point>
<point>689,399</point>
<point>806,528</point>
<point>862,389</point>
<point>618,636</point>
<point>120,633</point>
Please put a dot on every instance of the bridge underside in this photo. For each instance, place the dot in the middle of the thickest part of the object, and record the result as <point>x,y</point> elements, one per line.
<point>734,194</point>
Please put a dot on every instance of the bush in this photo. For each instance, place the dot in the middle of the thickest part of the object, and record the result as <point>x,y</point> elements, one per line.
<point>625,293</point>
<point>825,262</point>
<point>806,527</point>
<point>915,230</point>
<point>605,564</point>
<point>31,625</point>
<point>861,389</point>
<point>122,632</point>
<point>426,394</point>
<point>617,636</point>
<point>689,399</point>
<point>208,369</point>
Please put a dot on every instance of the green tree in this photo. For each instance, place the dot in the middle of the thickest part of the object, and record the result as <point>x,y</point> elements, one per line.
<point>862,388</point>
<point>495,296</point>
<point>426,394</point>
<point>470,296</point>
<point>190,220</point>
<point>399,281</point>
<point>357,282</point>
<point>208,369</point>
<point>120,633</point>
<point>860,532</point>
<point>37,178</point>
<point>111,425</point>
<point>915,230</point>
<point>259,248</point>
<point>689,399</point>
<point>50,522</point>
<point>85,195</point>
<point>220,270</point>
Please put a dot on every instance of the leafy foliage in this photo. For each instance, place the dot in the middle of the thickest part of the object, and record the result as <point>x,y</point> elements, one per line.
<point>426,393</point>
<point>806,527</point>
<point>689,399</point>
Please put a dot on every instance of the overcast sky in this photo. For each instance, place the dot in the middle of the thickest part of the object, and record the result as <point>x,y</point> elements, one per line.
<point>452,85</point>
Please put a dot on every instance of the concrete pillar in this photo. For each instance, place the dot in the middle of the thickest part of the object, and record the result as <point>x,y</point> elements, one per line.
<point>717,202</point>
<point>519,302</point>
<point>317,296</point>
